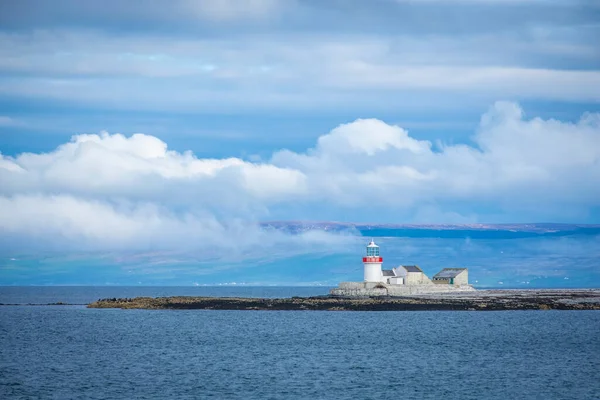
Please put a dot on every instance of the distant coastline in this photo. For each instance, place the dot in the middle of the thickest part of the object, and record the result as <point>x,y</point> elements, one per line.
<point>522,227</point>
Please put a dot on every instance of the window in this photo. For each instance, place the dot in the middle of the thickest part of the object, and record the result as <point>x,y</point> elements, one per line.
<point>372,251</point>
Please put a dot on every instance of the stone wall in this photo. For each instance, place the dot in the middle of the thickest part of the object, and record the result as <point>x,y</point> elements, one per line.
<point>363,289</point>
<point>362,285</point>
<point>352,285</point>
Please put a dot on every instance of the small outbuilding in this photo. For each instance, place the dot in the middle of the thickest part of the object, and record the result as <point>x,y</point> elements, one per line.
<point>387,273</point>
<point>413,275</point>
<point>390,277</point>
<point>452,276</point>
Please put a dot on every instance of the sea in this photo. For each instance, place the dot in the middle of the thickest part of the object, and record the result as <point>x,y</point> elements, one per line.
<point>72,352</point>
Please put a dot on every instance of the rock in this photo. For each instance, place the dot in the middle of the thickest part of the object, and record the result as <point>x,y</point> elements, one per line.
<point>577,299</point>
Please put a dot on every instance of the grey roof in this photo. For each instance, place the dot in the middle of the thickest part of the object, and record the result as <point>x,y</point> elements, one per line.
<point>449,272</point>
<point>388,272</point>
<point>412,268</point>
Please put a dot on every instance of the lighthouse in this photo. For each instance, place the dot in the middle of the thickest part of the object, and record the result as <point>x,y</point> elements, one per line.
<point>372,263</point>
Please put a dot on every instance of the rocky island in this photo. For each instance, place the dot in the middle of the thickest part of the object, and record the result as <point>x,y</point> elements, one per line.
<point>405,288</point>
<point>481,300</point>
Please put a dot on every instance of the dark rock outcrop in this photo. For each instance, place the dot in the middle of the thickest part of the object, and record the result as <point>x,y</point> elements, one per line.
<point>483,300</point>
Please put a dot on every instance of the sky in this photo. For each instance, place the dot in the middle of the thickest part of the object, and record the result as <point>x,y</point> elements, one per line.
<point>164,124</point>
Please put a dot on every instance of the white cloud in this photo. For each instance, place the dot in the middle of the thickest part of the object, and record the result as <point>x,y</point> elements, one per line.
<point>351,138</point>
<point>67,223</point>
<point>140,166</point>
<point>550,161</point>
<point>111,189</point>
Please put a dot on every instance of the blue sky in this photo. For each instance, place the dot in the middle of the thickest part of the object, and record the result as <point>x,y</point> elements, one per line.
<point>154,123</point>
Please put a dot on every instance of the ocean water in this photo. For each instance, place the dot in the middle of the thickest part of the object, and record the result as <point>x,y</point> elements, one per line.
<point>71,352</point>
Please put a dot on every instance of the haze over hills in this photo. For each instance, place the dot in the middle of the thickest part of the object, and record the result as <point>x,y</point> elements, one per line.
<point>310,253</point>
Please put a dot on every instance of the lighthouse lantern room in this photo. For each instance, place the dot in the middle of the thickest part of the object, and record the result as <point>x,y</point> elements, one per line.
<point>372,263</point>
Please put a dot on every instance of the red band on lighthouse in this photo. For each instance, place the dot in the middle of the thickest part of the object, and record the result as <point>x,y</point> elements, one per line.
<point>372,259</point>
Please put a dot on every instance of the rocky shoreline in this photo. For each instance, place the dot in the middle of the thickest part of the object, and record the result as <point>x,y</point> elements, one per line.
<point>481,300</point>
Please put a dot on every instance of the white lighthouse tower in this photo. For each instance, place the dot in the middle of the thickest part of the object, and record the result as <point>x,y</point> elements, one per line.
<point>372,263</point>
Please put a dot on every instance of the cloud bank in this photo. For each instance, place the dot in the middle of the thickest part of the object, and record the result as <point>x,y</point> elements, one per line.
<point>261,55</point>
<point>113,191</point>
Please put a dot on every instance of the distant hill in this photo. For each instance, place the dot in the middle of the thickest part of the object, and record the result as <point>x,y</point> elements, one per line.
<point>483,231</point>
